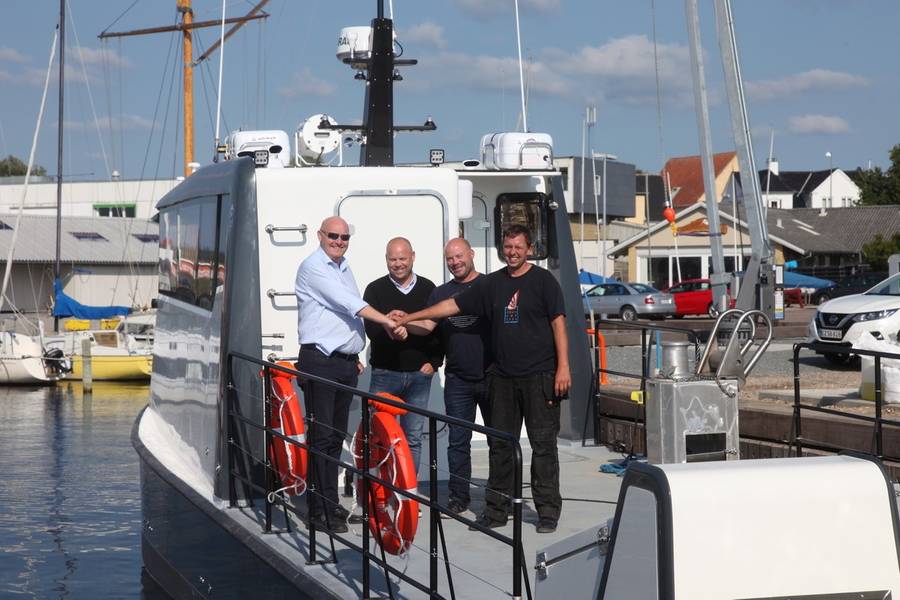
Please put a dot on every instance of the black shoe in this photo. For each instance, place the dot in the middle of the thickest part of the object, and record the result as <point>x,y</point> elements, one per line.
<point>346,516</point>
<point>546,525</point>
<point>455,507</point>
<point>332,525</point>
<point>487,523</point>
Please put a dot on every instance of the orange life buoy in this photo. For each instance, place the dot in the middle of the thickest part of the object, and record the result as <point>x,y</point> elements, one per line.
<point>392,516</point>
<point>290,460</point>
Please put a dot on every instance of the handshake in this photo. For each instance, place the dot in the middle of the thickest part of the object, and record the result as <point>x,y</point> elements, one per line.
<point>396,325</point>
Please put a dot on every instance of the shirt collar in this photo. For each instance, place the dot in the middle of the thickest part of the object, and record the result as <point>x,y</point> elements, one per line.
<point>404,288</point>
<point>328,260</point>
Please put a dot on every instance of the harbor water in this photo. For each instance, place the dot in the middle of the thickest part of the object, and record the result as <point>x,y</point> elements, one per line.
<point>70,508</point>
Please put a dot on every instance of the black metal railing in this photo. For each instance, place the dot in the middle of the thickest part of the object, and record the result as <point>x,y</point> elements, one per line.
<point>437,509</point>
<point>648,342</point>
<point>878,421</point>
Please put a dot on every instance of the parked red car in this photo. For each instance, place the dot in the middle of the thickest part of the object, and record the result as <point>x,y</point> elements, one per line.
<point>694,297</point>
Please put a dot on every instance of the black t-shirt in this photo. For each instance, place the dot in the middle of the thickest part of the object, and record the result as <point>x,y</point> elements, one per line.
<point>520,310</point>
<point>466,338</point>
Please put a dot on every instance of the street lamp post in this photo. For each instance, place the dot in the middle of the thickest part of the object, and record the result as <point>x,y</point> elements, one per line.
<point>604,156</point>
<point>830,182</point>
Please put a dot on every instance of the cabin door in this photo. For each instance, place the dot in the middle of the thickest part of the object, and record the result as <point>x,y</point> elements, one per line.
<point>375,219</point>
<point>477,231</point>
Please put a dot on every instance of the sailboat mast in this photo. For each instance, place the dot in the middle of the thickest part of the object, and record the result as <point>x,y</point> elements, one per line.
<point>187,52</point>
<point>59,149</point>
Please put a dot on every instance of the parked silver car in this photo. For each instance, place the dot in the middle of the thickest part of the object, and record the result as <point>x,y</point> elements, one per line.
<point>629,301</point>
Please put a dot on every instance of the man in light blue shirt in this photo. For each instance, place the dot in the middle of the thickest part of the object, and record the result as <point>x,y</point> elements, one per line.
<point>331,334</point>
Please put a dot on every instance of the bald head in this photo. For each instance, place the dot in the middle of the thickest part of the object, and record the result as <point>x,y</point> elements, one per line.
<point>334,237</point>
<point>460,259</point>
<point>400,257</point>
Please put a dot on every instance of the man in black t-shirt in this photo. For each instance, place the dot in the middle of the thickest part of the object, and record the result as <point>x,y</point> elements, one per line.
<point>466,341</point>
<point>530,374</point>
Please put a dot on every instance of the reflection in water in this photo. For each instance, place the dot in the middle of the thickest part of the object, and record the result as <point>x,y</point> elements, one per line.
<point>70,512</point>
<point>57,521</point>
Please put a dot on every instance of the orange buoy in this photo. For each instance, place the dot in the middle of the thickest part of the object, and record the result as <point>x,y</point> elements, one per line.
<point>393,518</point>
<point>290,460</point>
<point>669,214</point>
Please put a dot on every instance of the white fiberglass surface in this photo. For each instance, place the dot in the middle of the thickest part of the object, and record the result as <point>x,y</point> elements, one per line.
<point>821,525</point>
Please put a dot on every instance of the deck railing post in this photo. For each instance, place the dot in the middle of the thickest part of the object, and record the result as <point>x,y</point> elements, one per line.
<point>229,442</point>
<point>267,444</point>
<point>797,430</point>
<point>879,442</point>
<point>433,497</point>
<point>311,488</point>
<point>517,522</point>
<point>364,478</point>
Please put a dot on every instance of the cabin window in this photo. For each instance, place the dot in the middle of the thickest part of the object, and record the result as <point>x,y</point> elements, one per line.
<point>191,261</point>
<point>530,210</point>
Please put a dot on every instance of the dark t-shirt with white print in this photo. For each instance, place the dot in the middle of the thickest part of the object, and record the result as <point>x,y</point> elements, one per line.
<point>519,310</point>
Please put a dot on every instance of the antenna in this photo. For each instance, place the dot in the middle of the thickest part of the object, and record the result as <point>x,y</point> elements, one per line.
<point>521,72</point>
<point>219,92</point>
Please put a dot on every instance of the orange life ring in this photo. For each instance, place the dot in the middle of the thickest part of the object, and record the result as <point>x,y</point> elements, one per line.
<point>286,418</point>
<point>392,517</point>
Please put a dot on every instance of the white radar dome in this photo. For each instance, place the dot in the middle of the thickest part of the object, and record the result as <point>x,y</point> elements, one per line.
<point>313,143</point>
<point>355,43</point>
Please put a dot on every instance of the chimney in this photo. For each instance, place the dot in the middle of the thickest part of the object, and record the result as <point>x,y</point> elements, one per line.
<point>773,166</point>
<point>779,224</point>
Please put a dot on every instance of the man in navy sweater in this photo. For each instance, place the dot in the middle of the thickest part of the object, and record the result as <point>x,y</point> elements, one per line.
<point>403,367</point>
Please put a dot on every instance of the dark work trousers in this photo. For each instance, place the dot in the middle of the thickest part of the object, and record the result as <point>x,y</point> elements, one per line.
<point>326,434</point>
<point>460,399</point>
<point>514,399</point>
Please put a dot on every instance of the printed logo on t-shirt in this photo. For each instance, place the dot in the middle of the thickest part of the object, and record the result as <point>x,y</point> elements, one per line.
<point>511,312</point>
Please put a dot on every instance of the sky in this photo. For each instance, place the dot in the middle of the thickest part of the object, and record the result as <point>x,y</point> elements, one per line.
<point>822,74</point>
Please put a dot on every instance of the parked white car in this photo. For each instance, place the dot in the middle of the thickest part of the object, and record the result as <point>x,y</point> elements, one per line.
<point>843,321</point>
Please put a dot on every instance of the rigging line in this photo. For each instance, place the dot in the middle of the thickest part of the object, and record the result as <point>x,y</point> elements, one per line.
<point>219,92</point>
<point>87,84</point>
<point>209,75</point>
<point>119,17</point>
<point>37,129</point>
<point>206,94</point>
<point>172,42</point>
<point>104,62</point>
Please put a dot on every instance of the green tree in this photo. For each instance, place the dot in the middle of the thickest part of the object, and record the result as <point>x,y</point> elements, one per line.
<point>12,166</point>
<point>881,187</point>
<point>879,250</point>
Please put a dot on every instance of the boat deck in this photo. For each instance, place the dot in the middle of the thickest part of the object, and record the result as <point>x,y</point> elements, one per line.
<point>480,566</point>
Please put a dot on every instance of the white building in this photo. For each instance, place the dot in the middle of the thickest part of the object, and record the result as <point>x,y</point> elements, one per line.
<point>103,262</point>
<point>807,189</point>
<point>85,198</point>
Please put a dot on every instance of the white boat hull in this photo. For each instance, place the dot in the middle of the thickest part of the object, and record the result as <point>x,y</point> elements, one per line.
<point>20,360</point>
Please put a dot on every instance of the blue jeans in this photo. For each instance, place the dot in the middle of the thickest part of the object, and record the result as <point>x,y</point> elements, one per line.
<point>413,387</point>
<point>460,399</point>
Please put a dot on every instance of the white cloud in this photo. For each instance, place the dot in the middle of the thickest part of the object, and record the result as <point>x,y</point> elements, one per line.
<point>621,70</point>
<point>494,8</point>
<point>817,124</point>
<point>808,81</point>
<point>126,121</point>
<point>6,76</point>
<point>98,56</point>
<point>425,34</point>
<point>305,83</point>
<point>12,55</point>
<point>36,77</point>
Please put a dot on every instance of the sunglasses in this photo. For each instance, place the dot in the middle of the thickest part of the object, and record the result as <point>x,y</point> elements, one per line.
<point>344,237</point>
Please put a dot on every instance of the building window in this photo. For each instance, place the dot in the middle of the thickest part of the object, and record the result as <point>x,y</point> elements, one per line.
<point>115,210</point>
<point>147,238</point>
<point>773,204</point>
<point>88,236</point>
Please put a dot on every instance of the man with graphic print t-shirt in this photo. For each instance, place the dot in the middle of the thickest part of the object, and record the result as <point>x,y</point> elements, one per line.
<point>530,374</point>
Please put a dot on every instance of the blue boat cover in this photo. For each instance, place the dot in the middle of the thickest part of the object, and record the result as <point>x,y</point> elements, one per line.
<point>799,280</point>
<point>592,278</point>
<point>66,306</point>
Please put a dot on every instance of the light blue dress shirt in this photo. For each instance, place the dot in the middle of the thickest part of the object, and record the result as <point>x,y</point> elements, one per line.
<point>328,301</point>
